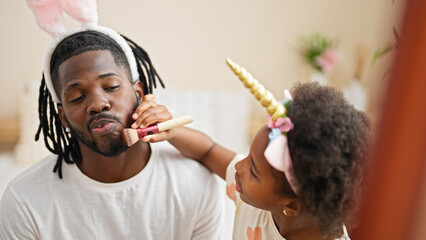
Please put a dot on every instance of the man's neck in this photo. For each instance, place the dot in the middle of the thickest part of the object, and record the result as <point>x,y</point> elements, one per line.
<point>114,169</point>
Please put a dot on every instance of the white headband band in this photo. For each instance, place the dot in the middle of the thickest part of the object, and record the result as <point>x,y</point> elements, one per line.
<point>107,31</point>
<point>49,16</point>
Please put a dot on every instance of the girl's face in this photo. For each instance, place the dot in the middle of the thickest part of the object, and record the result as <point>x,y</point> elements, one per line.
<point>255,182</point>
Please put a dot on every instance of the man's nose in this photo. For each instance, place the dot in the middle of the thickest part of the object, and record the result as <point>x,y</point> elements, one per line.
<point>97,104</point>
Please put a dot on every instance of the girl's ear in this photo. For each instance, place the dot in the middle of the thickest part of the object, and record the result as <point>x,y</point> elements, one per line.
<point>62,116</point>
<point>292,206</point>
<point>138,87</point>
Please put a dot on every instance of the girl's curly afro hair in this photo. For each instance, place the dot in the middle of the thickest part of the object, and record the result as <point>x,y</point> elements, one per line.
<point>327,145</point>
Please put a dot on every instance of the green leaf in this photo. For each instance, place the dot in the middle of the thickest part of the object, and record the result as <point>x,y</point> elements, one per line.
<point>395,33</point>
<point>380,52</point>
<point>312,47</point>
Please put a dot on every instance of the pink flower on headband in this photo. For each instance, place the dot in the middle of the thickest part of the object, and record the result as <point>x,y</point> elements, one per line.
<point>277,153</point>
<point>284,124</point>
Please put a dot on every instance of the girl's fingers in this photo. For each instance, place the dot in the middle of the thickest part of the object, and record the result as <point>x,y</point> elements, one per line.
<point>150,97</point>
<point>153,115</point>
<point>149,112</point>
<point>158,137</point>
<point>145,105</point>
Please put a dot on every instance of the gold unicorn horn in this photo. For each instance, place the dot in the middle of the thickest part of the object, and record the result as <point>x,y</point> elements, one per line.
<point>265,97</point>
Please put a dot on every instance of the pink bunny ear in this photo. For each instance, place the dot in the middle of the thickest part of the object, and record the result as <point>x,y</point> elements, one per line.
<point>84,11</point>
<point>48,15</point>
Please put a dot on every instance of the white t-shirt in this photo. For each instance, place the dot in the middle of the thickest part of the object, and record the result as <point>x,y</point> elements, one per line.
<point>171,198</point>
<point>251,222</point>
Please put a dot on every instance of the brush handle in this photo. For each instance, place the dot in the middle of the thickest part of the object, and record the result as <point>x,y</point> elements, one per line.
<point>142,132</point>
<point>163,126</point>
<point>166,125</point>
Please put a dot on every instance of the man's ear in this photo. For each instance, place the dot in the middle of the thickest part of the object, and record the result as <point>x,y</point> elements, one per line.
<point>292,206</point>
<point>139,89</point>
<point>62,116</point>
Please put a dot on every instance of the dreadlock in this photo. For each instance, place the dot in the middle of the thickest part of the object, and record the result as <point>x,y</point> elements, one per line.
<point>56,138</point>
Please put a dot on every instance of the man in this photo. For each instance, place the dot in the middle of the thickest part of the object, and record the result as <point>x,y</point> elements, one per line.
<point>106,190</point>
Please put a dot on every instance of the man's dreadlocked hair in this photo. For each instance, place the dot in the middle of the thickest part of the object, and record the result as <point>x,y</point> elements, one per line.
<point>56,139</point>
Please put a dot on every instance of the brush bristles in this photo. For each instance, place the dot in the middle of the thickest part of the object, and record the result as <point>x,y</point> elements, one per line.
<point>130,136</point>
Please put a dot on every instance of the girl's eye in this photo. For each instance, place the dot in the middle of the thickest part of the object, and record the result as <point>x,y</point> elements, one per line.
<point>112,88</point>
<point>77,99</point>
<point>252,172</point>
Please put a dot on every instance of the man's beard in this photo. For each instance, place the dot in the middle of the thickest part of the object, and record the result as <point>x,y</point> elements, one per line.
<point>114,147</point>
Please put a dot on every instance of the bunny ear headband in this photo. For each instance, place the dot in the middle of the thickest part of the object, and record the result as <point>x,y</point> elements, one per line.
<point>277,153</point>
<point>49,16</point>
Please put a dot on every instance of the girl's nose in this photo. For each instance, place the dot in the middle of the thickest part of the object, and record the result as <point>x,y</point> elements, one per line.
<point>239,166</point>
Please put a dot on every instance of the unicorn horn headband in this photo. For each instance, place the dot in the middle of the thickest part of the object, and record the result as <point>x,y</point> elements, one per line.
<point>277,153</point>
<point>49,17</point>
<point>265,97</point>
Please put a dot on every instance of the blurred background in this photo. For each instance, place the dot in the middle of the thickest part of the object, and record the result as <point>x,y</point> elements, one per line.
<point>189,40</point>
<point>347,44</point>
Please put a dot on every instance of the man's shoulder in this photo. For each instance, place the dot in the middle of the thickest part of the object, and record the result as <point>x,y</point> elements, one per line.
<point>35,175</point>
<point>169,157</point>
<point>191,182</point>
<point>180,168</point>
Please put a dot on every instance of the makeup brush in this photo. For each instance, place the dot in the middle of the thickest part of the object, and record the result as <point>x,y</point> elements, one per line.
<point>131,136</point>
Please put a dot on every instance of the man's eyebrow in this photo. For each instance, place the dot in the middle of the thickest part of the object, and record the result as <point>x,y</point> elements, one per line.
<point>71,86</point>
<point>254,165</point>
<point>105,75</point>
<point>76,84</point>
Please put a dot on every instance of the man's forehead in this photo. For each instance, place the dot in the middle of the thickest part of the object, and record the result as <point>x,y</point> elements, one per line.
<point>88,64</point>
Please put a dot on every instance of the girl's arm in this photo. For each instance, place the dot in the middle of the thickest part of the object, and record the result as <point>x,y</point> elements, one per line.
<point>197,145</point>
<point>191,143</point>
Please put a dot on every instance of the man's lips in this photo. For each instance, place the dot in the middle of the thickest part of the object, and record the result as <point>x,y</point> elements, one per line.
<point>103,126</point>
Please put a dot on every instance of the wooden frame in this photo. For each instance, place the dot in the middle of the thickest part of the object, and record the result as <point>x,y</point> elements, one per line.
<point>397,176</point>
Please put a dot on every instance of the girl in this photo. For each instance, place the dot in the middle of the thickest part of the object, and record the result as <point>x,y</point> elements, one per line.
<point>301,178</point>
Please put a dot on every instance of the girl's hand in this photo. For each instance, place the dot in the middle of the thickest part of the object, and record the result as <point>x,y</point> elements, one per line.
<point>149,113</point>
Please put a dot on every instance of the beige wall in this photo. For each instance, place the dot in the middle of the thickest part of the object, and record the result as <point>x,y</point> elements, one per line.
<point>188,40</point>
